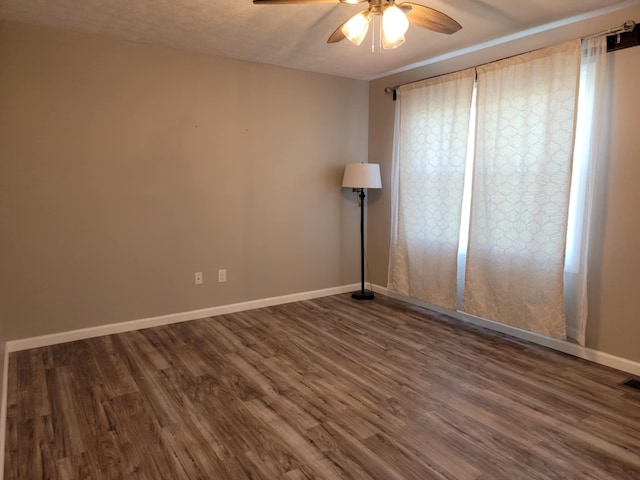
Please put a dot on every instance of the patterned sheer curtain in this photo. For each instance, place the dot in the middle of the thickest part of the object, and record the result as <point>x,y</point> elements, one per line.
<point>526,107</point>
<point>432,125</point>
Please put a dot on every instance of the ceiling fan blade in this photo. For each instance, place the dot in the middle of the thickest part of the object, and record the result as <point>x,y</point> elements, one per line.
<point>337,35</point>
<point>429,18</point>
<point>291,2</point>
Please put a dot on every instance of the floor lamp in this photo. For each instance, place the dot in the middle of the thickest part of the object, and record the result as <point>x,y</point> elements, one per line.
<point>359,176</point>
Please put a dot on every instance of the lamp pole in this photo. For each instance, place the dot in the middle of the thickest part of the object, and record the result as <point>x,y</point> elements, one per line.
<point>362,294</point>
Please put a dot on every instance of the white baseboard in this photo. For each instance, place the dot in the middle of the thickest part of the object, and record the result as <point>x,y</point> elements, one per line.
<point>556,344</point>
<point>83,333</point>
<point>579,351</point>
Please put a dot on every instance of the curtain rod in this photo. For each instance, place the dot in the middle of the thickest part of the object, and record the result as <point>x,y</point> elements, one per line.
<point>627,26</point>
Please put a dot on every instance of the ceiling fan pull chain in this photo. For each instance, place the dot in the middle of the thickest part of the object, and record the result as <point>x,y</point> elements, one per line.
<point>373,35</point>
<point>379,34</point>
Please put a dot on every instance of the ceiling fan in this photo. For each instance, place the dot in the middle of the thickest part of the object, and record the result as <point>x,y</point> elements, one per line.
<point>395,20</point>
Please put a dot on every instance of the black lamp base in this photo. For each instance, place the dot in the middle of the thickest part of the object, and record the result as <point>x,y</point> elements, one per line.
<point>362,295</point>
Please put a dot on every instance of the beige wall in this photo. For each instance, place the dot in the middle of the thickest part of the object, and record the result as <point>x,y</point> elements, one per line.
<point>125,168</point>
<point>614,320</point>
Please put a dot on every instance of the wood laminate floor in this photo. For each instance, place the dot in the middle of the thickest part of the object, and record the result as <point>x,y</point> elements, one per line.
<point>327,389</point>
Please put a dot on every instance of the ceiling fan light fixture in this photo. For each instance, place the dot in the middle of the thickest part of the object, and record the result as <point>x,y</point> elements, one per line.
<point>389,43</point>
<point>394,22</point>
<point>356,27</point>
<point>394,25</point>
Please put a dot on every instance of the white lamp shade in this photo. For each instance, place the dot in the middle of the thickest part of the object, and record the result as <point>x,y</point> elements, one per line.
<point>362,175</point>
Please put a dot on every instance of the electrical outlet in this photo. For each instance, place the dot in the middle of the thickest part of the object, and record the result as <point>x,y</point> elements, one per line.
<point>222,275</point>
<point>198,278</point>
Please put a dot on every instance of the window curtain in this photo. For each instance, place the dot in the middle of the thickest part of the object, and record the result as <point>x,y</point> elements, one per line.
<point>587,169</point>
<point>526,108</point>
<point>432,125</point>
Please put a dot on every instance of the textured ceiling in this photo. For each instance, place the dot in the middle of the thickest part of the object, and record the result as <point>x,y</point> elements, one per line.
<point>293,35</point>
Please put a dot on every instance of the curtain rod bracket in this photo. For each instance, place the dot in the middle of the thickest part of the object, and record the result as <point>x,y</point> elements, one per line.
<point>393,90</point>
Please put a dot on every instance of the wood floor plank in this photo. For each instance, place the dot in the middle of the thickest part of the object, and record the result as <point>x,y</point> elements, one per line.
<point>329,388</point>
<point>113,374</point>
<point>323,439</point>
<point>362,455</point>
<point>68,426</point>
<point>304,450</point>
<point>142,447</point>
<point>409,461</point>
<point>175,350</point>
<point>191,449</point>
<point>24,394</point>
